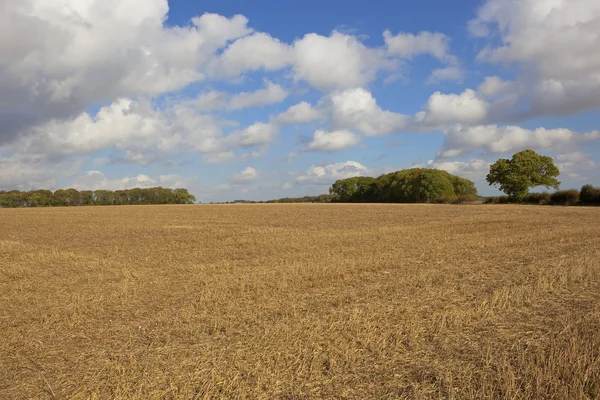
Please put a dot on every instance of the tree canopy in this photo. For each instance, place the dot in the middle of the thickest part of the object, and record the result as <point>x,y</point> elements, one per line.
<point>526,169</point>
<point>417,185</point>
<point>73,197</point>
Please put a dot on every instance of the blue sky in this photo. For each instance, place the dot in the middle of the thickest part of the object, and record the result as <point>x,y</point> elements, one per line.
<point>267,99</point>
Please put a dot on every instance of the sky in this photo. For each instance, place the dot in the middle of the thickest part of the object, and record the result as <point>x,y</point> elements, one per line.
<point>265,99</point>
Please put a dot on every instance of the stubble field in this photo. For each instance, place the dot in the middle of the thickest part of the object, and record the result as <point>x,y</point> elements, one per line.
<point>300,302</point>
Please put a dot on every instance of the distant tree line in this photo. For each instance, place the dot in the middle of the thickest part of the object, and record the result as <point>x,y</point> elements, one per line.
<point>587,196</point>
<point>321,198</point>
<point>416,185</point>
<point>73,197</point>
<point>527,169</point>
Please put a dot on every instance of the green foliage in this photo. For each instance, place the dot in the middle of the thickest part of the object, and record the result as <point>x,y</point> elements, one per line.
<point>565,197</point>
<point>72,197</point>
<point>322,198</point>
<point>417,185</point>
<point>357,189</point>
<point>525,170</point>
<point>467,198</point>
<point>500,200</point>
<point>537,198</point>
<point>590,195</point>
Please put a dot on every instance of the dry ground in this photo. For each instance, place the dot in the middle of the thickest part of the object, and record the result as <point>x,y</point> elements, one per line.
<point>299,302</point>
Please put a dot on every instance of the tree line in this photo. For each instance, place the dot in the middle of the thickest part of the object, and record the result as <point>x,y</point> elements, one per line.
<point>73,197</point>
<point>416,185</point>
<point>587,196</point>
<point>527,169</point>
<point>515,176</point>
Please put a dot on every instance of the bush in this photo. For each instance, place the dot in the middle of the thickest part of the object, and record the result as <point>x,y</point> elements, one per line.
<point>590,195</point>
<point>499,200</point>
<point>565,197</point>
<point>467,198</point>
<point>446,199</point>
<point>537,198</point>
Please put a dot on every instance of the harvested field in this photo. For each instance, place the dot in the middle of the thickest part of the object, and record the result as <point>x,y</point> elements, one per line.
<point>300,302</point>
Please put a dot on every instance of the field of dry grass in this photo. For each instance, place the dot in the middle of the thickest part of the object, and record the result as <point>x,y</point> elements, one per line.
<point>300,302</point>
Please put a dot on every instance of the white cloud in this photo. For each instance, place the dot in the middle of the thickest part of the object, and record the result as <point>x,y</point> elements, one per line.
<point>136,132</point>
<point>332,141</point>
<point>450,73</point>
<point>554,44</point>
<point>209,101</point>
<point>475,170</point>
<point>97,50</point>
<point>256,134</point>
<point>337,61</point>
<point>254,52</point>
<point>461,140</point>
<point>577,165</point>
<point>299,113</point>
<point>219,158</point>
<point>357,109</point>
<point>328,174</point>
<point>126,125</point>
<point>286,186</point>
<point>26,172</point>
<point>408,45</point>
<point>271,94</point>
<point>247,175</point>
<point>494,86</point>
<point>466,107</point>
<point>96,180</point>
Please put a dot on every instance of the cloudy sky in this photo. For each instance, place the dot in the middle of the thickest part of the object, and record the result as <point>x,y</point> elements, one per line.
<point>263,99</point>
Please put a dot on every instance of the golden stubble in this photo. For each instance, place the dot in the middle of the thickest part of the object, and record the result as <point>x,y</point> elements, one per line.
<point>300,302</point>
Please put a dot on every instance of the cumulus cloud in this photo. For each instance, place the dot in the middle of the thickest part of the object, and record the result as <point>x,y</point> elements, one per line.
<point>337,61</point>
<point>494,86</point>
<point>476,169</point>
<point>332,141</point>
<point>299,113</point>
<point>96,180</point>
<point>357,109</point>
<point>553,43</point>
<point>466,107</point>
<point>137,132</point>
<point>253,52</point>
<point>577,165</point>
<point>408,45</point>
<point>26,172</point>
<point>450,73</point>
<point>247,175</point>
<point>271,94</point>
<point>329,173</point>
<point>209,101</point>
<point>257,134</point>
<point>94,51</point>
<point>461,140</point>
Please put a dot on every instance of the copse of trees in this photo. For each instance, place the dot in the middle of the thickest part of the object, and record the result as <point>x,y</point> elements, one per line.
<point>587,196</point>
<point>528,169</point>
<point>416,185</point>
<point>73,197</point>
<point>322,198</point>
<point>525,170</point>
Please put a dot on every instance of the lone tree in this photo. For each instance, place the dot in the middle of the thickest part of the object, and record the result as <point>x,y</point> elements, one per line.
<point>526,169</point>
